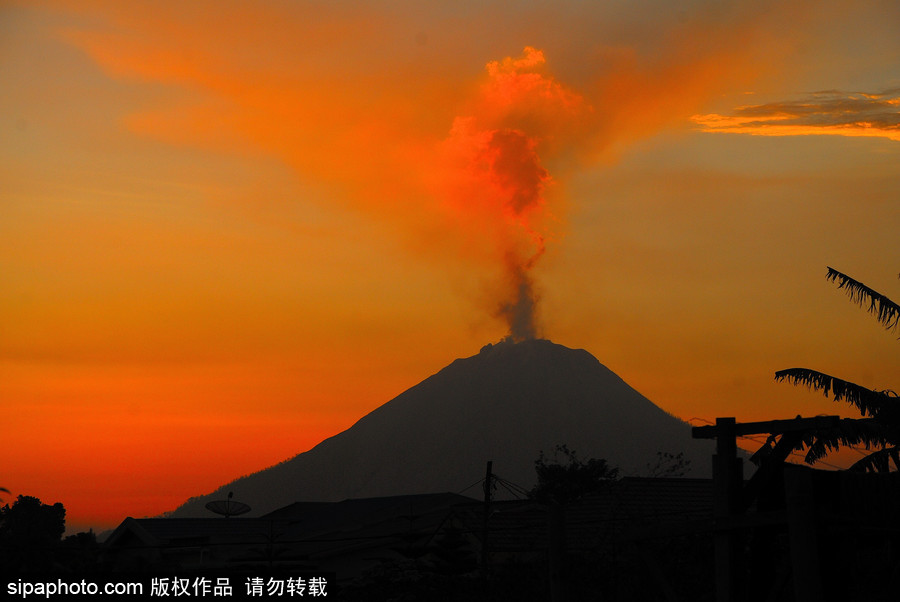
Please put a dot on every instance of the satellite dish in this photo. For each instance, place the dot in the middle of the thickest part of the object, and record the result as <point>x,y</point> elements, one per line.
<point>227,507</point>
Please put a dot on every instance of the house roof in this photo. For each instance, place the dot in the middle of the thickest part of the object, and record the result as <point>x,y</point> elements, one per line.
<point>187,531</point>
<point>366,509</point>
<point>306,530</point>
<point>332,529</point>
<point>630,507</point>
<point>374,528</point>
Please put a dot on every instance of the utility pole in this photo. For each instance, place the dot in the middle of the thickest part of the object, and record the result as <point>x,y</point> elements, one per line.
<point>485,552</point>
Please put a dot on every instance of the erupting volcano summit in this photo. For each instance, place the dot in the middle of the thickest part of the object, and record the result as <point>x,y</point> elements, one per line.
<point>507,404</point>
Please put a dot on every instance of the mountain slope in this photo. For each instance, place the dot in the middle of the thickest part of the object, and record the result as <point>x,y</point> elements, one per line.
<point>505,404</point>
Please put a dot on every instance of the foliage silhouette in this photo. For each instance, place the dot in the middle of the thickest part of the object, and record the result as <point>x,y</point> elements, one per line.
<point>668,465</point>
<point>30,533</point>
<point>882,408</point>
<point>885,311</point>
<point>561,483</point>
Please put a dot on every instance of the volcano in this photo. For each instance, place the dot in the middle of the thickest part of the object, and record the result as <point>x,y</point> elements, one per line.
<point>506,404</point>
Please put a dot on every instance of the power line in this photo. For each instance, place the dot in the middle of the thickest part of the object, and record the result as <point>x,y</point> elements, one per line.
<point>701,420</point>
<point>478,482</point>
<point>797,453</point>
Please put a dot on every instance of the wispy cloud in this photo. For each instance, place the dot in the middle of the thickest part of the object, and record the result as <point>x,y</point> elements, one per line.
<point>830,112</point>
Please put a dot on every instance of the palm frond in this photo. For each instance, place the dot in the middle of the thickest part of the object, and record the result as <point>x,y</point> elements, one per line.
<point>849,432</point>
<point>885,311</point>
<point>878,461</point>
<point>869,402</point>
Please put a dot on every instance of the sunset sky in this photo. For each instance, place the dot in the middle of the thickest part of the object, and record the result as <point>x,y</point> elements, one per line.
<point>230,229</point>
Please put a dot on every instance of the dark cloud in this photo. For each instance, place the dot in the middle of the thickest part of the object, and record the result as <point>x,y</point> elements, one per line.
<point>825,112</point>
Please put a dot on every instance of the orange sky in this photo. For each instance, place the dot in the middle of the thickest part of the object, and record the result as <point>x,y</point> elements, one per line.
<point>231,229</point>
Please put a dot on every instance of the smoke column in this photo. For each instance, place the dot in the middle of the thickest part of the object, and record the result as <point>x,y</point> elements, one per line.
<point>494,173</point>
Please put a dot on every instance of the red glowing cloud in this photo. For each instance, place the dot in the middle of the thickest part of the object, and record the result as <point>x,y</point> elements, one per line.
<point>491,178</point>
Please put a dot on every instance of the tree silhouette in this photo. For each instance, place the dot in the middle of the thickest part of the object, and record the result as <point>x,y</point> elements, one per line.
<point>668,465</point>
<point>561,483</point>
<point>30,533</point>
<point>881,430</point>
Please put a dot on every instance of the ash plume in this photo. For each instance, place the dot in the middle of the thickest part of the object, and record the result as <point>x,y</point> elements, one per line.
<point>497,176</point>
<point>412,132</point>
<point>519,313</point>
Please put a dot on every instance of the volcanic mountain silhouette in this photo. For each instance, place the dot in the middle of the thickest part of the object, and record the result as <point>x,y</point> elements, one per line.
<point>506,404</point>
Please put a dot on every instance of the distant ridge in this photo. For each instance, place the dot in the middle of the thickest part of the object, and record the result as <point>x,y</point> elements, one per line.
<point>505,404</point>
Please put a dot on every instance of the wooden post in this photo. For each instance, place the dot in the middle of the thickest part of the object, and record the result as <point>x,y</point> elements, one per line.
<point>727,478</point>
<point>801,515</point>
<point>731,576</point>
<point>732,498</point>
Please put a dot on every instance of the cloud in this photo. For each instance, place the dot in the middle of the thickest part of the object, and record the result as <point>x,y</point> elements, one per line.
<point>456,128</point>
<point>830,112</point>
